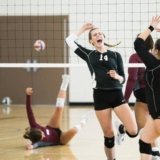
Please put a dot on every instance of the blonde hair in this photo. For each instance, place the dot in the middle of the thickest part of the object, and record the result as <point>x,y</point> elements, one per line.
<point>106,44</point>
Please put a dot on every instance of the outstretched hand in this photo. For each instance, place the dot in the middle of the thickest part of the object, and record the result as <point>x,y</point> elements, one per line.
<point>29,91</point>
<point>88,26</point>
<point>155,22</point>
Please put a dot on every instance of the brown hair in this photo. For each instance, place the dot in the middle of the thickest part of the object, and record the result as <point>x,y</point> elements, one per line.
<point>106,44</point>
<point>149,43</point>
<point>33,134</point>
<point>157,44</point>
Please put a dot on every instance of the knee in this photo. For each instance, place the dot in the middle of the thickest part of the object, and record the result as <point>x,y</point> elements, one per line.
<point>145,147</point>
<point>133,133</point>
<point>109,141</point>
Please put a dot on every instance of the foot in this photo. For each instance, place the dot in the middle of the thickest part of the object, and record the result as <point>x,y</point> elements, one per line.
<point>155,153</point>
<point>119,136</point>
<point>65,82</point>
<point>85,118</point>
<point>65,77</point>
<point>155,158</point>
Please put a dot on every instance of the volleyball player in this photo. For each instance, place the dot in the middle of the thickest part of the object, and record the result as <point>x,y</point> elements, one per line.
<point>107,71</point>
<point>136,83</point>
<point>151,130</point>
<point>51,134</point>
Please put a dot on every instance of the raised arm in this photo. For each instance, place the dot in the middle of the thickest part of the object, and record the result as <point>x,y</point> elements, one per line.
<point>30,115</point>
<point>70,40</point>
<point>148,59</point>
<point>153,25</point>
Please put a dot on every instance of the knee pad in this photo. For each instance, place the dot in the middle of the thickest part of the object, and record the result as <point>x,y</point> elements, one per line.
<point>132,136</point>
<point>145,147</point>
<point>109,142</point>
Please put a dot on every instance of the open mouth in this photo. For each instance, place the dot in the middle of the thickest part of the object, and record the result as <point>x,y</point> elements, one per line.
<point>99,41</point>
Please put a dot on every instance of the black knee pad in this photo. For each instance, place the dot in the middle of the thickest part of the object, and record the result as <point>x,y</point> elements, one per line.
<point>132,136</point>
<point>145,147</point>
<point>109,142</point>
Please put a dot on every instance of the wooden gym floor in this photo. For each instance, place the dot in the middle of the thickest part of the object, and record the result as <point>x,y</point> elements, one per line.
<point>86,145</point>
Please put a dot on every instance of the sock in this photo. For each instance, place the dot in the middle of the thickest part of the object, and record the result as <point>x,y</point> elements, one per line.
<point>65,82</point>
<point>155,151</point>
<point>83,121</point>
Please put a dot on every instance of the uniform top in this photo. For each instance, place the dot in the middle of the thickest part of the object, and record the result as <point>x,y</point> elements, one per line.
<point>99,64</point>
<point>152,65</point>
<point>51,136</point>
<point>136,76</point>
<point>152,77</point>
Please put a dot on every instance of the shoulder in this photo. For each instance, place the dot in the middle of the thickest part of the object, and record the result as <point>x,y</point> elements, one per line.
<point>134,58</point>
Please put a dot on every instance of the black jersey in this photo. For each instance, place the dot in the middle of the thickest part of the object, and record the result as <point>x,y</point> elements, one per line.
<point>152,77</point>
<point>99,64</point>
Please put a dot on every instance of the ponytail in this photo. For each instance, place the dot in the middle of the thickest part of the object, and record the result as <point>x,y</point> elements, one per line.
<point>112,45</point>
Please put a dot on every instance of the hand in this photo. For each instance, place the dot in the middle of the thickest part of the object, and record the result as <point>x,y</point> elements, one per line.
<point>113,74</point>
<point>29,91</point>
<point>155,22</point>
<point>29,146</point>
<point>86,26</point>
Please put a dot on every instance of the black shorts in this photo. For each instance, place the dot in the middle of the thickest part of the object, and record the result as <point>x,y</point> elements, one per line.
<point>154,104</point>
<point>140,95</point>
<point>104,99</point>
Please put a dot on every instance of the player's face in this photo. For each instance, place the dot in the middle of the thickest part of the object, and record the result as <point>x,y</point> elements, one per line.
<point>97,38</point>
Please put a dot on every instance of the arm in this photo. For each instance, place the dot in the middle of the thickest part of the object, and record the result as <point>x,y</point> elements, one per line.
<point>118,73</point>
<point>140,47</point>
<point>153,25</point>
<point>70,40</point>
<point>38,144</point>
<point>29,111</point>
<point>132,78</point>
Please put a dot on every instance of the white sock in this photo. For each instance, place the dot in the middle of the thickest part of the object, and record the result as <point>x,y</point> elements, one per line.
<point>65,82</point>
<point>78,127</point>
<point>155,149</point>
<point>81,124</point>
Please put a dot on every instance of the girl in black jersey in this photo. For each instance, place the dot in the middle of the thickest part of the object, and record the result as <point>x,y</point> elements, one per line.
<point>107,71</point>
<point>151,129</point>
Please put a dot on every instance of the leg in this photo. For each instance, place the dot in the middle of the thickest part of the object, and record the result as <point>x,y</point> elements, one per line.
<point>128,120</point>
<point>105,119</point>
<point>141,113</point>
<point>68,135</point>
<point>148,135</point>
<point>56,118</point>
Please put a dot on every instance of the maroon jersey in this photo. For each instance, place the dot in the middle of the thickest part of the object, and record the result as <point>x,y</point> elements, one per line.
<point>51,136</point>
<point>135,77</point>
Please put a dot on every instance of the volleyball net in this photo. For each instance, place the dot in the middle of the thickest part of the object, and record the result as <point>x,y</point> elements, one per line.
<point>22,22</point>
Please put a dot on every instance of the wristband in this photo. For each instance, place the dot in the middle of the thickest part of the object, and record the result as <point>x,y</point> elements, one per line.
<point>151,28</point>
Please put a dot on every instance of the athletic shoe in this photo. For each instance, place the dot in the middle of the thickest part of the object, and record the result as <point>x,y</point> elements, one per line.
<point>120,136</point>
<point>65,77</point>
<point>155,158</point>
<point>155,153</point>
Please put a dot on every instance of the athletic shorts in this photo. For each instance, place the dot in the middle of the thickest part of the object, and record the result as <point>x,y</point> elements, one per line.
<point>153,104</point>
<point>140,95</point>
<point>57,130</point>
<point>104,99</point>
